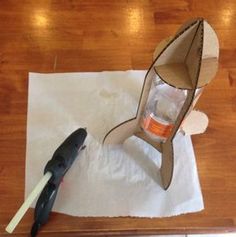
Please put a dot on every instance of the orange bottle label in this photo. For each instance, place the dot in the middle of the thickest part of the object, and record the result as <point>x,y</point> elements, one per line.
<point>155,127</point>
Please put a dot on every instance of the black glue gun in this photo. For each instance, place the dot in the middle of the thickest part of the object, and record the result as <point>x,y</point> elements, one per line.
<point>60,163</point>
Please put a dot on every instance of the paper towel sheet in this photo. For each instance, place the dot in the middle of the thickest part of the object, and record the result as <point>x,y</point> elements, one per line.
<point>112,181</point>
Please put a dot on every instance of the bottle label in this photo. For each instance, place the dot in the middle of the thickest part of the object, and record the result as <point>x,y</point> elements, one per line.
<point>156,127</point>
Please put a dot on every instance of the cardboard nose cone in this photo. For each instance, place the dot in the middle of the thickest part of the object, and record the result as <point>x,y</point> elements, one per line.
<point>192,55</point>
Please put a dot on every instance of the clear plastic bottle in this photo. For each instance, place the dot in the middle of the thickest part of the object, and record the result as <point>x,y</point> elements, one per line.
<point>163,106</point>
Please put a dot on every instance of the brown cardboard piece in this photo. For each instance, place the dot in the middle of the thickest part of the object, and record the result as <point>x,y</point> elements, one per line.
<point>190,127</point>
<point>189,60</point>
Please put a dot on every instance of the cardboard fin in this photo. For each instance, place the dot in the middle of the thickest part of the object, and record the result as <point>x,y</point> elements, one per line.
<point>121,132</point>
<point>196,122</point>
<point>167,165</point>
<point>141,134</point>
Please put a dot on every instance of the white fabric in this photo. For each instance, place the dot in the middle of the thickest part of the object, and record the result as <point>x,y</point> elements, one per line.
<point>118,181</point>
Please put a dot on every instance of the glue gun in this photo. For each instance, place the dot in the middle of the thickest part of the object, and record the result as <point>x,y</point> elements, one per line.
<point>60,163</point>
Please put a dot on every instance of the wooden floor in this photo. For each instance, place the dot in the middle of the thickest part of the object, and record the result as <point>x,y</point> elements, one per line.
<point>66,36</point>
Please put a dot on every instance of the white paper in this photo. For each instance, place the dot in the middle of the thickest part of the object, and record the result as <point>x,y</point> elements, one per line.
<point>120,181</point>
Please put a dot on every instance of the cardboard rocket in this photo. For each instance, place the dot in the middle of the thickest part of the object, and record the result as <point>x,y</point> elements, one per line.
<point>188,60</point>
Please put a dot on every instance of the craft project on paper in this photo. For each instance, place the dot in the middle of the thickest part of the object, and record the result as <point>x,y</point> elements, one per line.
<point>186,63</point>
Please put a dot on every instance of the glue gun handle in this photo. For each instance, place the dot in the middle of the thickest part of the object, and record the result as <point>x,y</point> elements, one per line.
<point>45,203</point>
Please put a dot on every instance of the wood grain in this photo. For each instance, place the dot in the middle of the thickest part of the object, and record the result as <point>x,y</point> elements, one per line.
<point>65,36</point>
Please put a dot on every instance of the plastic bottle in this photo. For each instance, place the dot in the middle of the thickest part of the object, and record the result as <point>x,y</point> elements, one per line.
<point>162,109</point>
